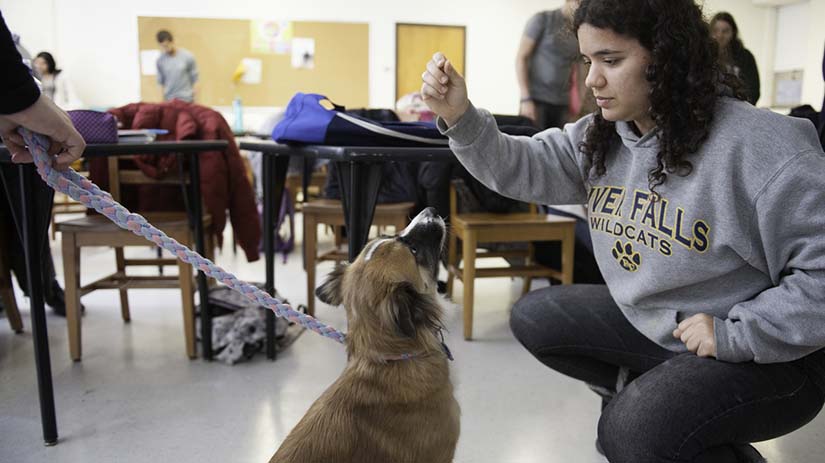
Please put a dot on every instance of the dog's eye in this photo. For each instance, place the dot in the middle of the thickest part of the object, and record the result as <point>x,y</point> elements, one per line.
<point>413,250</point>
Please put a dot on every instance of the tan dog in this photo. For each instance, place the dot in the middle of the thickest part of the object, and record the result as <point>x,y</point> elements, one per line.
<point>394,401</point>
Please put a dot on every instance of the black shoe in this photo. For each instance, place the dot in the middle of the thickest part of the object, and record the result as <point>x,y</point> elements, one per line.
<point>55,298</point>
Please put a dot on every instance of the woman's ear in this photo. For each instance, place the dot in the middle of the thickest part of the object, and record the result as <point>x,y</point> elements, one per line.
<point>330,291</point>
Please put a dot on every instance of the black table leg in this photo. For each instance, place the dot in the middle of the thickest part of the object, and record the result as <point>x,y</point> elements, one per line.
<point>274,178</point>
<point>200,248</point>
<point>33,238</point>
<point>308,165</point>
<point>359,191</point>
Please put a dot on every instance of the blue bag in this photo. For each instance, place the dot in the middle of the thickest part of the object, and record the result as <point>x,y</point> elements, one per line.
<point>313,119</point>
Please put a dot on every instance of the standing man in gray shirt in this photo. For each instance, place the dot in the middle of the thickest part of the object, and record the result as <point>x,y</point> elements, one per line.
<point>177,70</point>
<point>543,63</point>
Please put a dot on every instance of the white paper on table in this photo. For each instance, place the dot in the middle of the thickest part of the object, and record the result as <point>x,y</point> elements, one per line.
<point>252,70</point>
<point>148,62</point>
<point>303,53</point>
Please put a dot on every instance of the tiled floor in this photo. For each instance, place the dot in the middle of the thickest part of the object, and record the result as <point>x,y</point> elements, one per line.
<point>135,397</point>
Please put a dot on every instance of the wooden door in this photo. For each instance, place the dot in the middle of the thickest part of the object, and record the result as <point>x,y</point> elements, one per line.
<point>415,45</point>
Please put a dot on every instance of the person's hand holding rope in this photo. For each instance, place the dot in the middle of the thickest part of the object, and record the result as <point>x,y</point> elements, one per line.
<point>46,118</point>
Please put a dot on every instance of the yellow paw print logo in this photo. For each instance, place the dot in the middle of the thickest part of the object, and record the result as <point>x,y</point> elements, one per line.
<point>627,258</point>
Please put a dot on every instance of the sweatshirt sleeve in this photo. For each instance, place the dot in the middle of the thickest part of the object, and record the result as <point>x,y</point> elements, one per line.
<point>18,90</point>
<point>543,169</point>
<point>787,321</point>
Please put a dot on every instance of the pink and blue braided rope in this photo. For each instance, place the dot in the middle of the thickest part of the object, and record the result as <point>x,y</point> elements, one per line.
<point>87,193</point>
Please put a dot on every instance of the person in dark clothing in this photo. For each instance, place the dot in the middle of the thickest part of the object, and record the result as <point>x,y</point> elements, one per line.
<point>733,56</point>
<point>22,105</point>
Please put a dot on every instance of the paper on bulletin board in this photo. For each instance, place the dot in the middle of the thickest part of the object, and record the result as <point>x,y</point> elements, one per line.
<point>303,53</point>
<point>272,37</point>
<point>148,62</point>
<point>252,71</point>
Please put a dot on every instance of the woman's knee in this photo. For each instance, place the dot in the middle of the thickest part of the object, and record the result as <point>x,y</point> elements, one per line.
<point>557,311</point>
<point>535,316</point>
<point>634,429</point>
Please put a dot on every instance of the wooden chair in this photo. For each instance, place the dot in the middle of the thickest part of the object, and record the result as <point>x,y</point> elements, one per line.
<point>486,227</point>
<point>6,289</point>
<point>100,231</point>
<point>331,212</point>
<point>294,184</point>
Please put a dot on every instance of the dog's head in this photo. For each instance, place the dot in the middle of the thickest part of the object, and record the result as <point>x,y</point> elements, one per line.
<point>389,292</point>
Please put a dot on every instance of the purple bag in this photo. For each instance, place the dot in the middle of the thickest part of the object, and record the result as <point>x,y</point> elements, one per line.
<point>94,126</point>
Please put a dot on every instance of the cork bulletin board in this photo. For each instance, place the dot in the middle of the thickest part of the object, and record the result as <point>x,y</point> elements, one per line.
<point>339,67</point>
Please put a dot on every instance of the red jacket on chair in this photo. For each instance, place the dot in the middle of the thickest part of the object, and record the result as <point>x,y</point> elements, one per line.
<point>223,181</point>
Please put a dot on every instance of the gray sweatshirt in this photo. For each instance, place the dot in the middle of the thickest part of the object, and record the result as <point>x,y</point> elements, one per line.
<point>742,237</point>
<point>177,74</point>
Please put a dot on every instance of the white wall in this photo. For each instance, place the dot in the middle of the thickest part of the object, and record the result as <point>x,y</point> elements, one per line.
<point>96,40</point>
<point>813,88</point>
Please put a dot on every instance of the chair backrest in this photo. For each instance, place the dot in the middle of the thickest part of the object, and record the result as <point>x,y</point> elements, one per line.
<point>121,173</point>
<point>463,199</point>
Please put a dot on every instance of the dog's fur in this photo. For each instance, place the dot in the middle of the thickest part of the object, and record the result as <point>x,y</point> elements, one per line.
<point>383,409</point>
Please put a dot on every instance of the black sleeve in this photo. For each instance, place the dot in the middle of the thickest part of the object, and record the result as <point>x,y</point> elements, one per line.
<point>18,90</point>
<point>750,74</point>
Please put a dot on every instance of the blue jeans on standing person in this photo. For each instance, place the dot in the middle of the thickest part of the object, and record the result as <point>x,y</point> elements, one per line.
<point>679,407</point>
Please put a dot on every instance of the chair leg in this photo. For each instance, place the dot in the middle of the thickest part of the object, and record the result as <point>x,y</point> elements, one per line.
<point>452,262</point>
<point>10,305</point>
<point>187,293</point>
<point>527,261</point>
<point>7,296</point>
<point>71,278</point>
<point>338,233</point>
<point>124,297</point>
<point>468,277</point>
<point>310,252</point>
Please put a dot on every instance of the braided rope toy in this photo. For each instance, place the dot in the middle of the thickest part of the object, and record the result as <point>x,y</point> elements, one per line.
<point>90,195</point>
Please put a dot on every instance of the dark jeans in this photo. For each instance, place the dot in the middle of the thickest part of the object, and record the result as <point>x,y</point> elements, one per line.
<point>40,201</point>
<point>682,408</point>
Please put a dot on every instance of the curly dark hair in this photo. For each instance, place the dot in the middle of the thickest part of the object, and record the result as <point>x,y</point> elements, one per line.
<point>683,73</point>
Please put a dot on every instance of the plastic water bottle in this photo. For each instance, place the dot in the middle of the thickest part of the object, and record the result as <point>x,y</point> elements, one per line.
<point>237,127</point>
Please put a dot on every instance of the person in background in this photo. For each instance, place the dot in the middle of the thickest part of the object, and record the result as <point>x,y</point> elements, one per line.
<point>22,105</point>
<point>544,59</point>
<point>54,82</point>
<point>177,69</point>
<point>733,56</point>
<point>548,77</point>
<point>708,333</point>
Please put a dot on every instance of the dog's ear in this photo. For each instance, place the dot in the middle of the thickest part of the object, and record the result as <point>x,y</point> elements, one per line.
<point>330,290</point>
<point>413,310</point>
<point>404,301</point>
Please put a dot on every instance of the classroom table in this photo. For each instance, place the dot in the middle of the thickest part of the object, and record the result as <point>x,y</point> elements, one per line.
<point>33,238</point>
<point>359,174</point>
